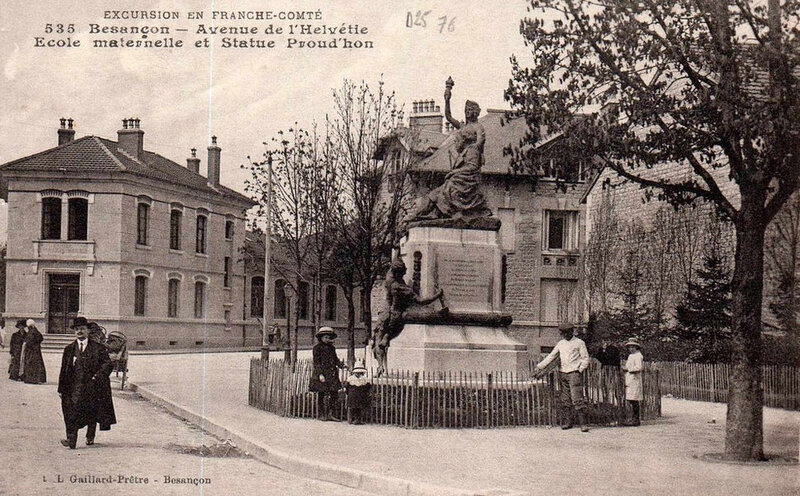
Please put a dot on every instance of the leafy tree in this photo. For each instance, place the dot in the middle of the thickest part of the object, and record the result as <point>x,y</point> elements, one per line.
<point>704,316</point>
<point>709,85</point>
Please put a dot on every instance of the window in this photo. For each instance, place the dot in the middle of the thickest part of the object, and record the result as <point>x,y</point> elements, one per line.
<point>257,297</point>
<point>175,229</point>
<point>199,299</point>
<point>140,295</point>
<point>227,319</point>
<point>200,238</point>
<point>561,230</point>
<point>78,212</point>
<point>228,229</point>
<point>226,279</point>
<point>279,309</point>
<point>172,297</point>
<point>143,213</point>
<point>302,299</point>
<point>330,303</point>
<point>559,300</point>
<point>51,218</point>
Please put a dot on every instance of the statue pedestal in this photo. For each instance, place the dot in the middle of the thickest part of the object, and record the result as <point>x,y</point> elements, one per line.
<point>466,263</point>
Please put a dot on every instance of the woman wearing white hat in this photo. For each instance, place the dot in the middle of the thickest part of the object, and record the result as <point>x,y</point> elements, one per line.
<point>633,379</point>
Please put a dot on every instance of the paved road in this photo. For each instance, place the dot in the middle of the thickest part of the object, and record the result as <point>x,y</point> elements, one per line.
<point>144,446</point>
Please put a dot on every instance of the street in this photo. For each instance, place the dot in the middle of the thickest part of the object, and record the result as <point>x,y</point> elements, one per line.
<point>145,448</point>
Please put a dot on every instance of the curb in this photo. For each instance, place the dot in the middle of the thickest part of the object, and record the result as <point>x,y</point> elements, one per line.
<point>364,481</point>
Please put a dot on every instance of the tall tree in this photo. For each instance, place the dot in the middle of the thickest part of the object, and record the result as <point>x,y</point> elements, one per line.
<point>296,162</point>
<point>707,84</point>
<point>369,217</point>
<point>704,316</point>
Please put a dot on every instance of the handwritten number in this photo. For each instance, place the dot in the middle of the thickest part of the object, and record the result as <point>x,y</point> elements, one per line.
<point>443,24</point>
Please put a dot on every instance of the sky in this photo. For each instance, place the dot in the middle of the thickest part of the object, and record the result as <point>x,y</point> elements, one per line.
<point>243,96</point>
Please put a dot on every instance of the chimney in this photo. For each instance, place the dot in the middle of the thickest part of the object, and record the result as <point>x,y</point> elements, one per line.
<point>426,115</point>
<point>213,162</point>
<point>65,132</point>
<point>193,163</point>
<point>130,139</point>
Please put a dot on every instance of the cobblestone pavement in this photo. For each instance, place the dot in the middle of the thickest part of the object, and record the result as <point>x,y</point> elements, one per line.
<point>133,458</point>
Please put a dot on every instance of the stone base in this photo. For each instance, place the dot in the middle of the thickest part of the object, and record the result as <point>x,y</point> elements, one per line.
<point>456,348</point>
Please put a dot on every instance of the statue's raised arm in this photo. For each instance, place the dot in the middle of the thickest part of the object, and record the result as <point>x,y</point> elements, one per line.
<point>448,91</point>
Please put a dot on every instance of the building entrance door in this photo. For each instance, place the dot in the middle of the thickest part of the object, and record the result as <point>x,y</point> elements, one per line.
<point>63,302</point>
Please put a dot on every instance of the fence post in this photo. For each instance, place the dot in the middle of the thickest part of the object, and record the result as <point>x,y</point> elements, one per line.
<point>488,399</point>
<point>414,403</point>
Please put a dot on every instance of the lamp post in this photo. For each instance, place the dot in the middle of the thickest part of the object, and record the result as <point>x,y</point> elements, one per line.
<point>267,255</point>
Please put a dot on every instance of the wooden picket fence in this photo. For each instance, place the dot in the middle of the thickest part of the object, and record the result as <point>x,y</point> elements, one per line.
<point>709,382</point>
<point>449,400</point>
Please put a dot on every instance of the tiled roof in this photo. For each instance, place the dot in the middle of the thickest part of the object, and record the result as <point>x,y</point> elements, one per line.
<point>95,154</point>
<point>501,133</point>
<point>422,141</point>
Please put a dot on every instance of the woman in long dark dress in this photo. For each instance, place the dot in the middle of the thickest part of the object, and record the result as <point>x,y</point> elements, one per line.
<point>32,362</point>
<point>325,379</point>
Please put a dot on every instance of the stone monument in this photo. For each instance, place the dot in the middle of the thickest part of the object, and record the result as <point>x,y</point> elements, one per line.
<point>453,251</point>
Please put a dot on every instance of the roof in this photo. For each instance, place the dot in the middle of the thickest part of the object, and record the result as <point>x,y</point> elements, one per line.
<point>95,154</point>
<point>421,141</point>
<point>502,133</point>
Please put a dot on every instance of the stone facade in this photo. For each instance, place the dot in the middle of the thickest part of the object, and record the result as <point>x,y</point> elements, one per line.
<point>130,196</point>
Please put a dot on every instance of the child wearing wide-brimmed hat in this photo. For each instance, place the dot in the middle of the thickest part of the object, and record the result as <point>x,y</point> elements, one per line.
<point>358,394</point>
<point>633,380</point>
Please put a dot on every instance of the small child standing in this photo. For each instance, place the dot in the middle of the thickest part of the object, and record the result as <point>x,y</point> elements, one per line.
<point>358,394</point>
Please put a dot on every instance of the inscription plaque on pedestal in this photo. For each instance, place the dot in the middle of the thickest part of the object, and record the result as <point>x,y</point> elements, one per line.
<point>466,275</point>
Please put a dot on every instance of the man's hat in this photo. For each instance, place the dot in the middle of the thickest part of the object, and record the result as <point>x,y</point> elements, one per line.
<point>359,366</point>
<point>326,331</point>
<point>633,342</point>
<point>398,264</point>
<point>20,323</point>
<point>566,326</point>
<point>79,321</point>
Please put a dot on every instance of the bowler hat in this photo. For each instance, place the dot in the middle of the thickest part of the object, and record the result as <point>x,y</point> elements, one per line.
<point>79,321</point>
<point>20,324</point>
<point>323,331</point>
<point>633,342</point>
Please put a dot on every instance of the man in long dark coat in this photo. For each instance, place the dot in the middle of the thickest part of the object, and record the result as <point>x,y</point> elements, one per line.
<point>32,361</point>
<point>15,348</point>
<point>84,367</point>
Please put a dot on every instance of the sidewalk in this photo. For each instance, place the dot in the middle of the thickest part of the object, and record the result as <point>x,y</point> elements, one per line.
<point>658,458</point>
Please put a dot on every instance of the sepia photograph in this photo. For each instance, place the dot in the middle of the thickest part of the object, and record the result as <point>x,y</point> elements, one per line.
<point>400,247</point>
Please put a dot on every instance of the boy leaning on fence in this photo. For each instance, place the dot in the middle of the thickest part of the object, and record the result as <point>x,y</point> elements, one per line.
<point>574,359</point>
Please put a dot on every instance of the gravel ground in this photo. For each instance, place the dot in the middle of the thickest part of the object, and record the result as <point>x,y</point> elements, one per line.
<point>135,456</point>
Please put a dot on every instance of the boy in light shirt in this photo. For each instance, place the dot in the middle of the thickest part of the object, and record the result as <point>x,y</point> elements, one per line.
<point>574,359</point>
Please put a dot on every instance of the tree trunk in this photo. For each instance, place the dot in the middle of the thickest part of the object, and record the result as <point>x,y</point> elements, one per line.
<point>744,429</point>
<point>351,328</point>
<point>366,307</point>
